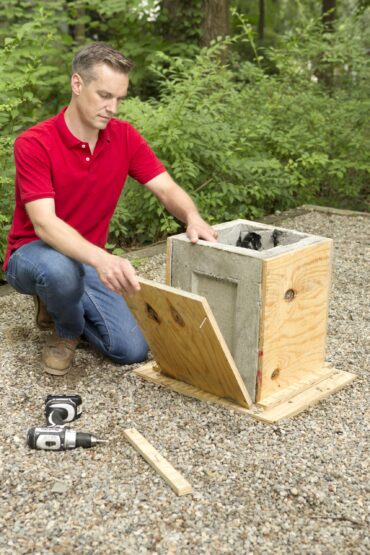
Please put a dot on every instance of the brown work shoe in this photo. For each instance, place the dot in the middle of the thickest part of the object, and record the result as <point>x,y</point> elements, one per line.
<point>58,354</point>
<point>43,319</point>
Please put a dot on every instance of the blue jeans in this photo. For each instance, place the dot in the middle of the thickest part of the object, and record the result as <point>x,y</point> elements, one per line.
<point>78,302</point>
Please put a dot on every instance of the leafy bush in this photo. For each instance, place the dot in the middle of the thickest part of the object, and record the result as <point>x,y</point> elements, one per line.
<point>244,141</point>
<point>286,127</point>
<point>27,77</point>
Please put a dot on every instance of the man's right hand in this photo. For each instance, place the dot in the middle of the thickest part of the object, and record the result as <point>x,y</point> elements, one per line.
<point>117,274</point>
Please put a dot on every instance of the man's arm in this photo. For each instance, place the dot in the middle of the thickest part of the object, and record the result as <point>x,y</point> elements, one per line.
<point>115,272</point>
<point>180,205</point>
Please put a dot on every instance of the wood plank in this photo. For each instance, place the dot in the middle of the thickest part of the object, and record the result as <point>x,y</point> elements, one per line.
<point>293,328</point>
<point>150,372</point>
<point>173,478</point>
<point>288,392</point>
<point>185,340</point>
<point>294,406</point>
<point>308,398</point>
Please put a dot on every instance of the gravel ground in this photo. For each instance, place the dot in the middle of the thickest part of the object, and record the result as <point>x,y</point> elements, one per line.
<point>298,487</point>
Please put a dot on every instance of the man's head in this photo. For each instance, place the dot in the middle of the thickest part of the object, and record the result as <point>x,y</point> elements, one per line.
<point>98,53</point>
<point>99,81</point>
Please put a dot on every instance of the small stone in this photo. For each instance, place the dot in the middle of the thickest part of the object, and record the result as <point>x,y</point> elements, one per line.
<point>59,487</point>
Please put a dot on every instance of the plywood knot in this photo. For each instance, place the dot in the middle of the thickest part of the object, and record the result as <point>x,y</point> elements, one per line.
<point>176,315</point>
<point>290,294</point>
<point>152,313</point>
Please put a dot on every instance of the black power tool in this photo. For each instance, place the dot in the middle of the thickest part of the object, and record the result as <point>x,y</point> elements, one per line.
<point>59,438</point>
<point>59,410</point>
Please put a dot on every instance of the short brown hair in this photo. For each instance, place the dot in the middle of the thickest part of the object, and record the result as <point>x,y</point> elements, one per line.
<point>99,53</point>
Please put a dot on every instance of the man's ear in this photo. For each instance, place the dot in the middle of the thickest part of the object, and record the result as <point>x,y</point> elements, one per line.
<point>76,84</point>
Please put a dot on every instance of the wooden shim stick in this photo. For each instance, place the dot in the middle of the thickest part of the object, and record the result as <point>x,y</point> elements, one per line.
<point>173,478</point>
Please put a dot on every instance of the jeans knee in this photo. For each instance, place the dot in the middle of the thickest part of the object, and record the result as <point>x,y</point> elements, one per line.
<point>130,352</point>
<point>65,276</point>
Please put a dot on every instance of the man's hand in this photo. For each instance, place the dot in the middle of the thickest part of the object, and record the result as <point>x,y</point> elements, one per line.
<point>197,229</point>
<point>117,274</point>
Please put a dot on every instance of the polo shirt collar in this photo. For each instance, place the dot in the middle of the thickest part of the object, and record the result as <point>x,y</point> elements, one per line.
<point>69,139</point>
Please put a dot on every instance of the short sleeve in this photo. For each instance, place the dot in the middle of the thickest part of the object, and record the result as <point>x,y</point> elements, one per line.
<point>143,163</point>
<point>33,172</point>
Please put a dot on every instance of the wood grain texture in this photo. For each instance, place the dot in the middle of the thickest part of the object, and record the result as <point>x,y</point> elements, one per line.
<point>185,340</point>
<point>173,478</point>
<point>291,390</point>
<point>295,294</point>
<point>151,373</point>
<point>308,398</point>
<point>286,409</point>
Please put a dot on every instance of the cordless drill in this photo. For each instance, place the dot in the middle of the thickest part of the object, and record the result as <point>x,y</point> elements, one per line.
<point>60,409</point>
<point>59,438</point>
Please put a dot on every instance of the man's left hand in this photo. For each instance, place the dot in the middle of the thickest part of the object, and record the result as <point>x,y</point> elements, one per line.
<point>197,229</point>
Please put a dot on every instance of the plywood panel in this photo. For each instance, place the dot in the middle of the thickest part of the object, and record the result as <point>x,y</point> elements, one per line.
<point>287,409</point>
<point>151,373</point>
<point>291,390</point>
<point>295,293</point>
<point>308,398</point>
<point>185,340</point>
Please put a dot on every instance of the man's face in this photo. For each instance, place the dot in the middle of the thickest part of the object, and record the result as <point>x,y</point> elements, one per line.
<point>97,102</point>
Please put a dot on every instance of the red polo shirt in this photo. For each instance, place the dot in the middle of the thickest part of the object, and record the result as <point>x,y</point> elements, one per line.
<point>53,163</point>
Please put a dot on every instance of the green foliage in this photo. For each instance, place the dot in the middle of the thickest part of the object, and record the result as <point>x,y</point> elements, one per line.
<point>29,80</point>
<point>277,127</point>
<point>245,142</point>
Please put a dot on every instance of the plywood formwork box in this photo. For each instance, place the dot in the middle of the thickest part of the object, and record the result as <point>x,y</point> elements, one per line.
<point>271,304</point>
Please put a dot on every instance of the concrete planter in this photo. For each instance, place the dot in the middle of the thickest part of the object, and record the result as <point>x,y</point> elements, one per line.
<point>270,304</point>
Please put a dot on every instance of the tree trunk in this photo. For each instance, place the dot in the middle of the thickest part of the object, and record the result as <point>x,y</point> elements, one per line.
<point>328,14</point>
<point>261,20</point>
<point>79,28</point>
<point>215,20</point>
<point>173,12</point>
<point>326,73</point>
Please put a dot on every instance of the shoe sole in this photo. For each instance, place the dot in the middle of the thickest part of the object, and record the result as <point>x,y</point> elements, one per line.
<point>55,371</point>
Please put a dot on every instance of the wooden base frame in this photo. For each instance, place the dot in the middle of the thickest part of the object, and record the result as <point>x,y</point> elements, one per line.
<point>275,408</point>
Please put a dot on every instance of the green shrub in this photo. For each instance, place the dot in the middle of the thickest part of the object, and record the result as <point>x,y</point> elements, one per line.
<point>244,142</point>
<point>285,128</point>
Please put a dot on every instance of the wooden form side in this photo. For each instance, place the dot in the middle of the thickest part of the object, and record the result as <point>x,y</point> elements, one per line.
<point>185,340</point>
<point>295,294</point>
<point>291,390</point>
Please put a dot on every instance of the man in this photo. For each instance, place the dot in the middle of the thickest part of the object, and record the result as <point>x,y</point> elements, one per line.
<point>70,171</point>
